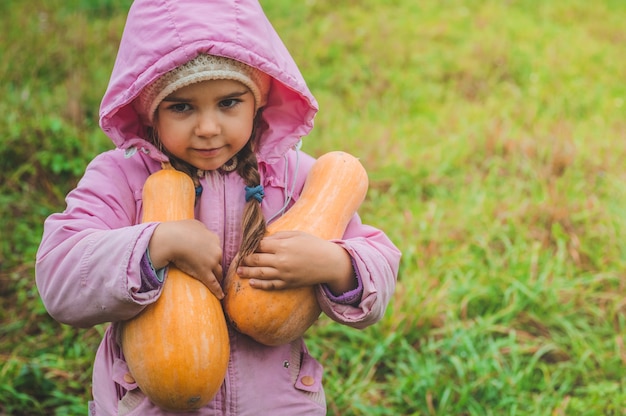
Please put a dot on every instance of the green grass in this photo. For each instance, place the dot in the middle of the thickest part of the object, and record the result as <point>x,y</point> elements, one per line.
<point>494,134</point>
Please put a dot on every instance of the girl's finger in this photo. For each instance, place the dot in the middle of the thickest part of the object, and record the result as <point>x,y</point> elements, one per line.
<point>217,271</point>
<point>212,283</point>
<point>258,260</point>
<point>260,273</point>
<point>267,284</point>
<point>215,287</point>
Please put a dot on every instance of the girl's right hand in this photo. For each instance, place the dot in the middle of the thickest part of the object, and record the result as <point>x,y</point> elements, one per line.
<point>192,248</point>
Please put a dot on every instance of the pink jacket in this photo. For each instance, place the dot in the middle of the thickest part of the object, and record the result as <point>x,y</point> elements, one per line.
<point>88,264</point>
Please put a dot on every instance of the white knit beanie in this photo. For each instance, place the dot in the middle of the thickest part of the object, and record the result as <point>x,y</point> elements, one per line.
<point>202,68</point>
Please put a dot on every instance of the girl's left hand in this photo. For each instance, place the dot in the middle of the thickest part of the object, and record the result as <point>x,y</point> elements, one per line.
<point>291,259</point>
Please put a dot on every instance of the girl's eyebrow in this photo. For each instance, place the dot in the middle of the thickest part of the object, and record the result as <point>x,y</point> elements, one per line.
<point>173,98</point>
<point>236,94</point>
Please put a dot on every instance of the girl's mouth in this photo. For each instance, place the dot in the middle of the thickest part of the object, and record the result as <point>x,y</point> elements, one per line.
<point>208,152</point>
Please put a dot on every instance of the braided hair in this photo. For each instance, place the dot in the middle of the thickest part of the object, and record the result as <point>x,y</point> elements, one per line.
<point>253,225</point>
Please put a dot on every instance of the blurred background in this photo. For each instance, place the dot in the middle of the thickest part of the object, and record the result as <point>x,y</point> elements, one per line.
<point>494,134</point>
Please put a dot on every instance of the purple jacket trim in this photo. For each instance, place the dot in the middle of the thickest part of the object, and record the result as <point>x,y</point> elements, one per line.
<point>352,297</point>
<point>149,276</point>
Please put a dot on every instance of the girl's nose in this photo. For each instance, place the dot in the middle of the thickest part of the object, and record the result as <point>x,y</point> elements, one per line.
<point>207,124</point>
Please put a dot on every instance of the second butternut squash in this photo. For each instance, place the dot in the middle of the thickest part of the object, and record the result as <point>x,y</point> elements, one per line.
<point>334,189</point>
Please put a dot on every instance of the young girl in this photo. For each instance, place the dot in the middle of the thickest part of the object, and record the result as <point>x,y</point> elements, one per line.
<point>210,87</point>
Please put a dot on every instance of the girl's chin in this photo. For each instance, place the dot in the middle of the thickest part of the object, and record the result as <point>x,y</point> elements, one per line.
<point>209,166</point>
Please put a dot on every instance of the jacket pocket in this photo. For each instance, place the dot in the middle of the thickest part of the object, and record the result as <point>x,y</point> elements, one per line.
<point>307,374</point>
<point>132,397</point>
<point>310,374</point>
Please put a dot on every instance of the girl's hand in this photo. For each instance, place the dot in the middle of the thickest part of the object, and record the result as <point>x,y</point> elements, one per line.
<point>291,259</point>
<point>191,247</point>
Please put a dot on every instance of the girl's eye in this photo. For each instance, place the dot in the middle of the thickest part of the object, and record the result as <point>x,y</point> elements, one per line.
<point>229,102</point>
<point>179,107</point>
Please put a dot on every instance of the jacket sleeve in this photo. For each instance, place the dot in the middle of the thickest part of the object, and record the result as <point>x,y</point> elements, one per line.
<point>376,260</point>
<point>88,263</point>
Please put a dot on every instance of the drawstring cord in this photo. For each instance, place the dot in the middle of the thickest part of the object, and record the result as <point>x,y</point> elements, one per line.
<point>287,192</point>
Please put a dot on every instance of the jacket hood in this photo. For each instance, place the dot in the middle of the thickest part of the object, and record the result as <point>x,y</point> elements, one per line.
<point>162,34</point>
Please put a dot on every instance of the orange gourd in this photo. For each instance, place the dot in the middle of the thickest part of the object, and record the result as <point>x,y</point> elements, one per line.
<point>334,189</point>
<point>177,348</point>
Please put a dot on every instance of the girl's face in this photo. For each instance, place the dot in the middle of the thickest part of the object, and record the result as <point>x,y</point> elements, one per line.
<point>206,123</point>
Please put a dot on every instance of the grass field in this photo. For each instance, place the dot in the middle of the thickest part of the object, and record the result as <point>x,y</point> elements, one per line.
<point>494,133</point>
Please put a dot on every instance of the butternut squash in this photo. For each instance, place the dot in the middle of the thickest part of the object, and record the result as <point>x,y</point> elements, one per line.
<point>334,189</point>
<point>177,348</point>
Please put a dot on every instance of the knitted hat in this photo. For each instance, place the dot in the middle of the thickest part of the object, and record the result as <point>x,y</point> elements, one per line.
<point>202,68</point>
